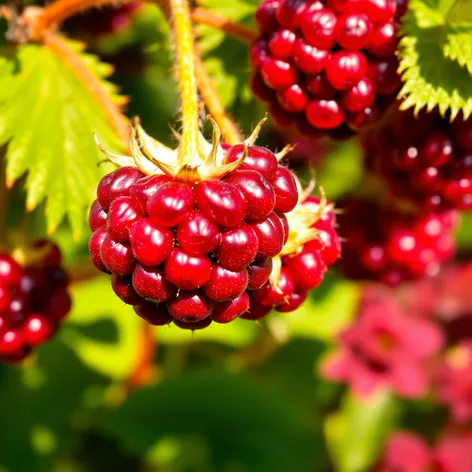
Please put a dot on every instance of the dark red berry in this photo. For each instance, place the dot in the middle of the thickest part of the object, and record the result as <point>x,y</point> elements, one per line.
<point>156,315</point>
<point>258,273</point>
<point>285,187</point>
<point>257,191</point>
<point>97,217</point>
<point>10,271</point>
<point>319,86</point>
<point>258,158</point>
<point>121,217</point>
<point>324,114</point>
<point>58,305</point>
<point>193,325</point>
<point>307,269</point>
<point>190,306</point>
<point>185,271</point>
<point>271,296</point>
<point>354,31</point>
<point>144,189</point>
<point>37,329</point>
<point>265,16</point>
<point>293,99</point>
<point>310,59</point>
<point>152,284</point>
<point>256,311</point>
<point>270,234</point>
<point>95,246</point>
<point>379,11</point>
<point>279,74</point>
<point>123,287</point>
<point>225,284</point>
<point>151,244</point>
<point>238,247</point>
<point>292,302</point>
<point>117,257</point>
<point>117,184</point>
<point>197,235</point>
<point>11,341</point>
<point>170,204</point>
<point>281,44</point>
<point>345,69</point>
<point>221,202</point>
<point>318,28</point>
<point>359,97</point>
<point>383,40</point>
<point>225,312</point>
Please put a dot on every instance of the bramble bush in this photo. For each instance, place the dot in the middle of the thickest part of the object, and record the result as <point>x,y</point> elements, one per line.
<point>236,236</point>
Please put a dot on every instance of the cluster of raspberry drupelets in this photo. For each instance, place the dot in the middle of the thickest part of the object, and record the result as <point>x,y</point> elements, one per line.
<point>34,298</point>
<point>328,66</point>
<point>108,19</point>
<point>387,244</point>
<point>426,160</point>
<point>194,242</point>
<point>312,246</point>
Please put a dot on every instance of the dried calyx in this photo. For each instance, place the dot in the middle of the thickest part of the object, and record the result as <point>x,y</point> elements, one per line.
<point>152,157</point>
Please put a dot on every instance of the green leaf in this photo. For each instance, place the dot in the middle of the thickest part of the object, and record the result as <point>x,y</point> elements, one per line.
<point>246,424</point>
<point>357,432</point>
<point>47,117</point>
<point>430,79</point>
<point>458,45</point>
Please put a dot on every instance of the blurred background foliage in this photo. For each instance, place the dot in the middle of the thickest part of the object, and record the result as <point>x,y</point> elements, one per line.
<point>232,398</point>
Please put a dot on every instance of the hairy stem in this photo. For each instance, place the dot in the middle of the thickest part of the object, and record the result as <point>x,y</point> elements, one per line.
<point>217,21</point>
<point>55,13</point>
<point>185,49</point>
<point>112,111</point>
<point>229,130</point>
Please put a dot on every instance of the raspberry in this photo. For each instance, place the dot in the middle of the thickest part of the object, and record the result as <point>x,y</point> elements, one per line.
<point>191,245</point>
<point>423,160</point>
<point>386,244</point>
<point>33,298</point>
<point>326,65</point>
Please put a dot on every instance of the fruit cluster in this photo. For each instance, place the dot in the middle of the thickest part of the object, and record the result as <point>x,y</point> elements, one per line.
<point>325,64</point>
<point>389,245</point>
<point>191,251</point>
<point>313,245</point>
<point>425,159</point>
<point>33,299</point>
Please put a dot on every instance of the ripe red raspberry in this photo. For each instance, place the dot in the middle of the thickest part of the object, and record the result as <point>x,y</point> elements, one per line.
<point>386,244</point>
<point>33,298</point>
<point>426,159</point>
<point>93,24</point>
<point>327,66</point>
<point>311,247</point>
<point>187,243</point>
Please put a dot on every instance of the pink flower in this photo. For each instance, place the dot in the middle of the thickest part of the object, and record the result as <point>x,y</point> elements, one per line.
<point>405,452</point>
<point>384,347</point>
<point>454,381</point>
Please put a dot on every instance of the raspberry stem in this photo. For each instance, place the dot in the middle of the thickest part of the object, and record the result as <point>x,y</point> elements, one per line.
<point>185,49</point>
<point>217,21</point>
<point>229,129</point>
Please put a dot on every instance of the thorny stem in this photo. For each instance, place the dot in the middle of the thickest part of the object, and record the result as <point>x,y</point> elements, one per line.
<point>185,49</point>
<point>55,13</point>
<point>112,110</point>
<point>217,21</point>
<point>229,130</point>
